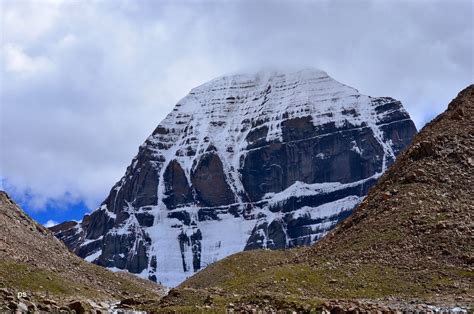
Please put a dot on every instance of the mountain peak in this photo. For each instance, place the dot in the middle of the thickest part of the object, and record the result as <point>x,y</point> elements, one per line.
<point>275,159</point>
<point>265,77</point>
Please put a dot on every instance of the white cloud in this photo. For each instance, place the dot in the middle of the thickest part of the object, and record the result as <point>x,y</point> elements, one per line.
<point>17,61</point>
<point>84,83</point>
<point>50,223</point>
<point>26,21</point>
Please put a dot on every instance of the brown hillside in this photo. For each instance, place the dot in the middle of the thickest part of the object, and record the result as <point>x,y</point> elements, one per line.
<point>34,262</point>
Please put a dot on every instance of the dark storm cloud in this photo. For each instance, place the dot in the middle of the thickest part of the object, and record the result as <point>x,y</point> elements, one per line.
<point>83,83</point>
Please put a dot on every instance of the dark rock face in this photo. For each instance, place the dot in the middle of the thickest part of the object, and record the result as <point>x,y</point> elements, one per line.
<point>177,189</point>
<point>139,185</point>
<point>312,158</point>
<point>193,241</point>
<point>210,183</point>
<point>272,160</point>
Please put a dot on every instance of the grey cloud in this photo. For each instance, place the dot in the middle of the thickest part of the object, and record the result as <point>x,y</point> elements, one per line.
<point>84,83</point>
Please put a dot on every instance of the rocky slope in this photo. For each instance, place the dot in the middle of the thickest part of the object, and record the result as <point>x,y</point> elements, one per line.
<point>37,271</point>
<point>272,160</point>
<point>408,246</point>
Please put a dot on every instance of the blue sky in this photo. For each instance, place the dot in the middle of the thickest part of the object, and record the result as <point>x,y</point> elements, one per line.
<point>53,213</point>
<point>83,83</point>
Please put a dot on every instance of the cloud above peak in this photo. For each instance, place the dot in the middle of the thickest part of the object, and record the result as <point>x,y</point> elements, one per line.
<point>84,83</point>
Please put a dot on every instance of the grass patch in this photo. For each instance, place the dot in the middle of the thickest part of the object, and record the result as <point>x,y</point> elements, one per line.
<point>465,273</point>
<point>254,276</point>
<point>367,240</point>
<point>366,281</point>
<point>28,279</point>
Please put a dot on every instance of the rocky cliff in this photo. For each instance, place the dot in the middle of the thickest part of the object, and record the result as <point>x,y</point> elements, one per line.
<point>271,160</point>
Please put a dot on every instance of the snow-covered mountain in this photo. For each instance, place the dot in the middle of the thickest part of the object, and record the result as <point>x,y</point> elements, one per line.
<point>270,160</point>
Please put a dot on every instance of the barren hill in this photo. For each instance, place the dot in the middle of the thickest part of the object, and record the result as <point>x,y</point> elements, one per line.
<point>37,271</point>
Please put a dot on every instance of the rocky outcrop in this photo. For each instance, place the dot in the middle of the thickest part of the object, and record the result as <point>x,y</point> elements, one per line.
<point>209,182</point>
<point>177,189</point>
<point>271,160</point>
